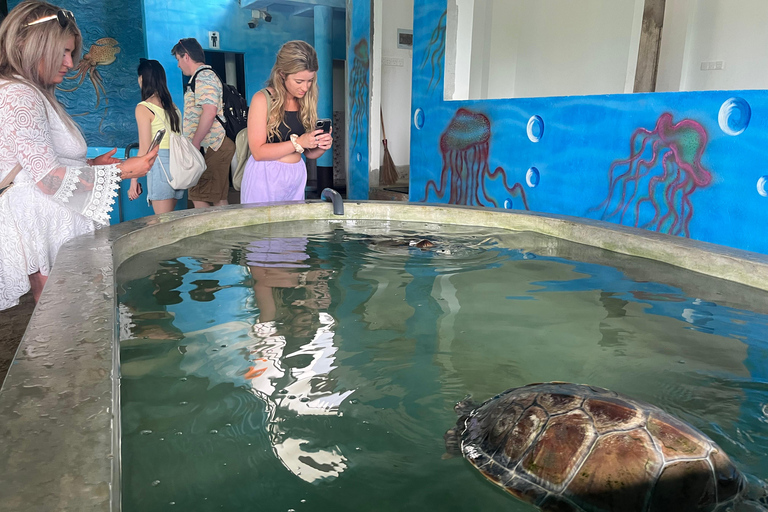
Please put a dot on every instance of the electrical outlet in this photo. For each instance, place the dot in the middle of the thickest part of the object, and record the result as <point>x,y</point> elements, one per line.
<point>392,61</point>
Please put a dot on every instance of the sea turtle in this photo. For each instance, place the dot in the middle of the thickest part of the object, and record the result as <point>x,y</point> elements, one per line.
<point>570,447</point>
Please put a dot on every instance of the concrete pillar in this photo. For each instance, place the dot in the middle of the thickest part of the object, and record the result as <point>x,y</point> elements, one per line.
<point>650,44</point>
<point>323,47</point>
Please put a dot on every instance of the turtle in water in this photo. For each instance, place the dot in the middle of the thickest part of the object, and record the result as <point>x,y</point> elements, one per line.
<point>569,447</point>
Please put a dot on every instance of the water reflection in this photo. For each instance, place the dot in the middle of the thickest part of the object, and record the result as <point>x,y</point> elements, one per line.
<point>292,353</point>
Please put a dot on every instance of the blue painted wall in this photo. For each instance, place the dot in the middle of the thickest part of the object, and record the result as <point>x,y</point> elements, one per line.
<point>167,21</point>
<point>688,164</point>
<point>358,102</point>
<point>112,122</point>
<point>111,29</point>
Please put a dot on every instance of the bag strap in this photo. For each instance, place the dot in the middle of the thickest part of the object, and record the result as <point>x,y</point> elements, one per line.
<point>8,180</point>
<point>193,83</point>
<point>268,95</point>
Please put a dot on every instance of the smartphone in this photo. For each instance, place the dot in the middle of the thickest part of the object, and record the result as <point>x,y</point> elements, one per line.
<point>323,124</point>
<point>156,141</point>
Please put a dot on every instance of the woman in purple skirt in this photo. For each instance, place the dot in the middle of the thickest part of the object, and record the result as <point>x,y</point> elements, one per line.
<point>281,127</point>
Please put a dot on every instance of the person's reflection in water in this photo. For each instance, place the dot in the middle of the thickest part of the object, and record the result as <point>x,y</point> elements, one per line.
<point>293,353</point>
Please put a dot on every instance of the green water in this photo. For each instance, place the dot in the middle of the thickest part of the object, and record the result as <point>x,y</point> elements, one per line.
<point>314,366</point>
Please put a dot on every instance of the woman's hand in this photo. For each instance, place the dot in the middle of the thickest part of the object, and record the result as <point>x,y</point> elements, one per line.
<point>318,141</point>
<point>310,140</point>
<point>134,191</point>
<point>325,140</point>
<point>137,166</point>
<point>106,159</point>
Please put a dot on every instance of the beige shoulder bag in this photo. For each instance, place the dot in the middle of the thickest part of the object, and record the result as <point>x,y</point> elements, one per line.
<point>8,180</point>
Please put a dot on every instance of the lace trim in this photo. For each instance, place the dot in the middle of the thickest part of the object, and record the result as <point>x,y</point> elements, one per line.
<point>68,187</point>
<point>105,191</point>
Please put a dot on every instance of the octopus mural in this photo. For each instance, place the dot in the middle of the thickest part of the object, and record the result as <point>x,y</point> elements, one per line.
<point>652,188</point>
<point>435,54</point>
<point>101,53</point>
<point>464,147</point>
<point>359,87</point>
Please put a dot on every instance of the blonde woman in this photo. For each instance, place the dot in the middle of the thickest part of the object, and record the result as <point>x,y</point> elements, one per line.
<point>278,138</point>
<point>55,194</point>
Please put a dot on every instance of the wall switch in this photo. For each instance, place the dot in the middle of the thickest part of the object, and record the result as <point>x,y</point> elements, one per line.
<point>392,61</point>
<point>718,65</point>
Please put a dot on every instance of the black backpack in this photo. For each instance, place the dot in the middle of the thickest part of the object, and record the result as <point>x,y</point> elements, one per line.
<point>234,105</point>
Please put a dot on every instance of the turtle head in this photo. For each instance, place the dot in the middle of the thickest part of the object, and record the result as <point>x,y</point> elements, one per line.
<point>465,407</point>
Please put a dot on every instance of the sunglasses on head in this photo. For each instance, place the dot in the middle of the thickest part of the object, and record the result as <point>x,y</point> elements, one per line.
<point>63,16</point>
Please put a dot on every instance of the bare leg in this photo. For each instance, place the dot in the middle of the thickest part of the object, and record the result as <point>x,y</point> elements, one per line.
<point>221,203</point>
<point>163,205</point>
<point>201,204</point>
<point>37,282</point>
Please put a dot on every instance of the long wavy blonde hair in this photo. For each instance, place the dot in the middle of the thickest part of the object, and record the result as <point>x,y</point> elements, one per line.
<point>32,54</point>
<point>293,57</point>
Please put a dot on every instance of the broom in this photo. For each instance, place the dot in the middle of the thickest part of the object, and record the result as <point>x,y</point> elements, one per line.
<point>388,172</point>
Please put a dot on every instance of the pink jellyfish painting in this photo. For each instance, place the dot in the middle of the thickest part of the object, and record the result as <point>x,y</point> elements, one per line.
<point>465,146</point>
<point>652,188</point>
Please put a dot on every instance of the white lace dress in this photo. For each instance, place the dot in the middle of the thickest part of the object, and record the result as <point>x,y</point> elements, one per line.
<point>54,198</point>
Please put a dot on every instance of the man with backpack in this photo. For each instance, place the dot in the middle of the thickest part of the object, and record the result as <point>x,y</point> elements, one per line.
<point>204,123</point>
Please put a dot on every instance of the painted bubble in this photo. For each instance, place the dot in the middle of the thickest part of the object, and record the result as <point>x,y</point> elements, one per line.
<point>359,157</point>
<point>761,183</point>
<point>508,203</point>
<point>418,119</point>
<point>535,128</point>
<point>532,177</point>
<point>734,116</point>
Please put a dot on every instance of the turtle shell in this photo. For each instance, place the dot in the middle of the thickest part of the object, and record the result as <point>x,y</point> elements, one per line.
<point>569,447</point>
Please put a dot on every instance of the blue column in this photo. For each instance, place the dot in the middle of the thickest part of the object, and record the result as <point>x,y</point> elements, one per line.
<point>358,101</point>
<point>323,47</point>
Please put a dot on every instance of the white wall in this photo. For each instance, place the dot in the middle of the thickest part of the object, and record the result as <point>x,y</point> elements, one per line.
<point>524,48</point>
<point>732,31</point>
<point>674,34</point>
<point>458,48</point>
<point>395,85</point>
<point>569,48</point>
<point>505,30</point>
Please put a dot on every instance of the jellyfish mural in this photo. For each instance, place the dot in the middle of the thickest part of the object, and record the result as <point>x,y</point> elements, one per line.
<point>652,188</point>
<point>465,146</point>
<point>434,53</point>
<point>359,87</point>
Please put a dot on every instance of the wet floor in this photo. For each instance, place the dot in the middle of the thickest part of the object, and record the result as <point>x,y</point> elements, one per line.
<point>13,323</point>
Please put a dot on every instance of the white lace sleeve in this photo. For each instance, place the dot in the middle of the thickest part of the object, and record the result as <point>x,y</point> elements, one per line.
<point>89,190</point>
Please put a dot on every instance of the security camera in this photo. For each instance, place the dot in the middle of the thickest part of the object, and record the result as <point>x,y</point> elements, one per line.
<point>258,14</point>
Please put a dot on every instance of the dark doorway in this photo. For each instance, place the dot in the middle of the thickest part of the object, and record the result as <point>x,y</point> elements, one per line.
<point>228,65</point>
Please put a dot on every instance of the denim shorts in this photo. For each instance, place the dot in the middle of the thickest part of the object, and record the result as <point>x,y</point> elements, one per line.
<point>158,187</point>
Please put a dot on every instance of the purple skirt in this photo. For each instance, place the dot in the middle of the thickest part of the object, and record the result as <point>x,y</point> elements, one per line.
<point>273,181</point>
